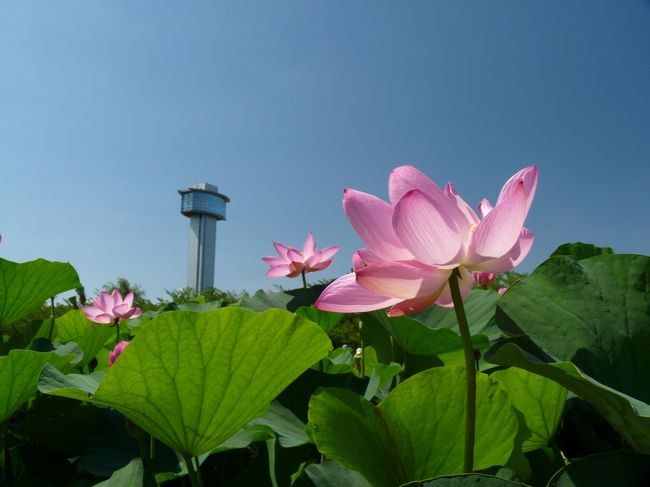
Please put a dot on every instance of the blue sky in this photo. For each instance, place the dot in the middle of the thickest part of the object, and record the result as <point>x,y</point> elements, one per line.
<point>108,108</point>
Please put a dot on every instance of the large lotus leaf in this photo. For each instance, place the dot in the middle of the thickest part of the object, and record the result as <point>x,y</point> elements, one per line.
<point>199,307</point>
<point>538,399</point>
<point>629,416</point>
<point>593,312</point>
<point>324,319</point>
<point>193,379</point>
<point>25,286</point>
<point>615,468</point>
<point>417,432</point>
<point>19,372</point>
<point>250,433</point>
<point>290,430</point>
<point>74,386</point>
<point>107,446</point>
<point>23,335</point>
<point>330,474</point>
<point>417,339</point>
<point>91,337</point>
<point>467,480</point>
<point>380,375</point>
<point>290,300</point>
<point>411,343</point>
<point>581,250</point>
<point>479,308</point>
<point>131,475</point>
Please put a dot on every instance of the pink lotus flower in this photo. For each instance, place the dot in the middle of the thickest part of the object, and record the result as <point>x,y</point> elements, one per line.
<point>292,263</point>
<point>107,308</point>
<point>117,351</point>
<point>415,241</point>
<point>483,278</point>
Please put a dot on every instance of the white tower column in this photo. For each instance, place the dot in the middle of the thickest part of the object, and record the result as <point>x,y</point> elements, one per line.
<point>204,206</point>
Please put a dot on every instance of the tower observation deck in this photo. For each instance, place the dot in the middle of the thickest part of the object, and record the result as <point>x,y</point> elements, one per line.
<point>204,206</point>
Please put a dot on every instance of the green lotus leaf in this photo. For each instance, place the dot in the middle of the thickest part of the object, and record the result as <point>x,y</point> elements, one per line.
<point>26,286</point>
<point>619,468</point>
<point>629,416</point>
<point>91,337</point>
<point>418,339</point>
<point>467,480</point>
<point>417,432</point>
<point>290,300</point>
<point>131,475</point>
<point>540,400</point>
<point>324,319</point>
<point>192,380</point>
<point>19,373</point>
<point>331,474</point>
<point>593,312</point>
<point>581,250</point>
<point>74,386</point>
<point>479,308</point>
<point>290,430</point>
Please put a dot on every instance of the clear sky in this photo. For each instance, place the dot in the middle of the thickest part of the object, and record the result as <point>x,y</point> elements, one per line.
<point>108,108</point>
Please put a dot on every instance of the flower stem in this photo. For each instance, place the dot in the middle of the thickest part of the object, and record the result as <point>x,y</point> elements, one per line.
<point>8,467</point>
<point>117,330</point>
<point>50,333</point>
<point>470,370</point>
<point>304,280</point>
<point>152,447</point>
<point>194,476</point>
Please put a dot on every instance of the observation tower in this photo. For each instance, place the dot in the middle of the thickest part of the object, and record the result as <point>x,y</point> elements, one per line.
<point>204,206</point>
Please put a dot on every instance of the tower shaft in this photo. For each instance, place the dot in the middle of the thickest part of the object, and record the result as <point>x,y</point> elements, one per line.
<point>201,258</point>
<point>204,206</point>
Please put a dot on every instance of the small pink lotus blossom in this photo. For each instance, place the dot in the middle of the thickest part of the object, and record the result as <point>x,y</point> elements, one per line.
<point>483,279</point>
<point>502,290</point>
<point>292,263</point>
<point>415,242</point>
<point>117,351</point>
<point>107,308</point>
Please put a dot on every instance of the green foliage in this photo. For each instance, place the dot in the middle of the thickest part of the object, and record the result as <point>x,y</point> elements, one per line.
<point>592,312</point>
<point>327,321</point>
<point>91,337</point>
<point>507,279</point>
<point>19,372</point>
<point>228,378</point>
<point>74,386</point>
<point>580,250</point>
<point>411,343</point>
<point>331,474</point>
<point>25,286</point>
<point>479,307</point>
<point>193,379</point>
<point>469,480</point>
<point>130,476</point>
<point>417,431</point>
<point>188,295</point>
<point>629,416</point>
<point>539,400</point>
<point>290,300</point>
<point>619,468</point>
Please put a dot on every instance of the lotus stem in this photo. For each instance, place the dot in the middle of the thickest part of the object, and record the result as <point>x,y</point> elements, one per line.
<point>51,332</point>
<point>198,469</point>
<point>117,330</point>
<point>304,280</point>
<point>152,447</point>
<point>470,371</point>
<point>8,467</point>
<point>195,480</point>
